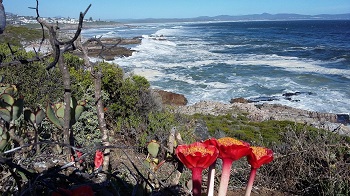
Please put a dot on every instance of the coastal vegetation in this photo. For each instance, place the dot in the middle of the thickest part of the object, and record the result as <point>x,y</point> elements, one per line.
<point>307,160</point>
<point>15,35</point>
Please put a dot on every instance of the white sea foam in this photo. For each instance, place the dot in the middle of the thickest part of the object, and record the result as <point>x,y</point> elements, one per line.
<point>185,62</point>
<point>293,64</point>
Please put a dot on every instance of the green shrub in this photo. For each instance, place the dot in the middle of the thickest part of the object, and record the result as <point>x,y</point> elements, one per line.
<point>263,133</point>
<point>35,83</point>
<point>15,35</point>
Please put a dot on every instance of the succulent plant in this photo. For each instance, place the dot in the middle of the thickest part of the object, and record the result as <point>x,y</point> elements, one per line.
<point>10,108</point>
<point>35,118</point>
<point>55,112</point>
<point>10,89</point>
<point>153,148</point>
<point>4,136</point>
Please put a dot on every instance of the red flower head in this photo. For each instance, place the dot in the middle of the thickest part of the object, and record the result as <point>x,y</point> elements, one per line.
<point>233,149</point>
<point>197,155</point>
<point>230,150</point>
<point>259,156</point>
<point>211,141</point>
<point>98,159</point>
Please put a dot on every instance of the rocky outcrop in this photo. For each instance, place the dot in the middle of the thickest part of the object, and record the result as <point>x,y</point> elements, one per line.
<point>290,96</point>
<point>111,48</point>
<point>170,98</point>
<point>239,100</point>
<point>119,41</point>
<point>262,112</point>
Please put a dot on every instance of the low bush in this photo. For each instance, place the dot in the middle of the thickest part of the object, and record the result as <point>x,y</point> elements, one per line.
<point>16,35</point>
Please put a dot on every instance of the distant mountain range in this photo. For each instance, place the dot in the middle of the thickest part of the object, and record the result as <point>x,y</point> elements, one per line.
<point>251,17</point>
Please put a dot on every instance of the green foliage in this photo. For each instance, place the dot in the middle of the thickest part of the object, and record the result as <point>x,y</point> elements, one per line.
<point>36,84</point>
<point>263,133</point>
<point>35,118</point>
<point>160,123</point>
<point>18,53</point>
<point>4,137</point>
<point>86,129</point>
<point>125,93</point>
<point>81,81</point>
<point>73,61</point>
<point>55,112</point>
<point>11,105</point>
<point>14,35</point>
<point>153,148</point>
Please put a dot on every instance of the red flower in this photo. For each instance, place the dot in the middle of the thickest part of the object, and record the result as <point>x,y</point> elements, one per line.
<point>83,191</point>
<point>79,154</point>
<point>196,157</point>
<point>256,158</point>
<point>98,159</point>
<point>233,149</point>
<point>259,156</point>
<point>230,150</point>
<point>211,141</point>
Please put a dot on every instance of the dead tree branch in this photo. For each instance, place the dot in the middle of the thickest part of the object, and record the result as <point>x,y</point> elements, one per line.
<point>58,59</point>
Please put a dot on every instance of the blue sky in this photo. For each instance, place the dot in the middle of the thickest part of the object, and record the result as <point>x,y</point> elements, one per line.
<point>122,9</point>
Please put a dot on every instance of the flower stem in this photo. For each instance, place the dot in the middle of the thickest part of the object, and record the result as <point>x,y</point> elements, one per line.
<point>250,182</point>
<point>197,181</point>
<point>210,183</point>
<point>225,176</point>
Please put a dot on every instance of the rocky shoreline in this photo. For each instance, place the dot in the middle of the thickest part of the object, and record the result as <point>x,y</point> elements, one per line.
<point>258,112</point>
<point>262,112</point>
<point>112,48</point>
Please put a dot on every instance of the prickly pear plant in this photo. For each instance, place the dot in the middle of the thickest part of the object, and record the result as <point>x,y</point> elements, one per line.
<point>152,162</point>
<point>55,112</point>
<point>153,148</point>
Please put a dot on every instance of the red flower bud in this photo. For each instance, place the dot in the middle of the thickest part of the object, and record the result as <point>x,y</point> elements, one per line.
<point>98,159</point>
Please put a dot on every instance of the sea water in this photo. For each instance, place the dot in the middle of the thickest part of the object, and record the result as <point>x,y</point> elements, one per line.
<point>256,60</point>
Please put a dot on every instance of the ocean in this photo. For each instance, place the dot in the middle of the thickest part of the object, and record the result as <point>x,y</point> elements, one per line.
<point>302,64</point>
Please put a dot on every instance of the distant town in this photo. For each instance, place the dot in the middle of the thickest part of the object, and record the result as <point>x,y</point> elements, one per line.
<point>15,19</point>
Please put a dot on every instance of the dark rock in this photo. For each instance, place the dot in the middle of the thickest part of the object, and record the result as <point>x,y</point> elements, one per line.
<point>170,98</point>
<point>343,118</point>
<point>119,41</point>
<point>258,99</point>
<point>296,93</point>
<point>201,130</point>
<point>239,100</point>
<point>112,48</point>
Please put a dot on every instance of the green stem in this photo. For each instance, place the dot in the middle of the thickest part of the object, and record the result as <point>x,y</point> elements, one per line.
<point>197,181</point>
<point>210,183</point>
<point>225,176</point>
<point>250,182</point>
